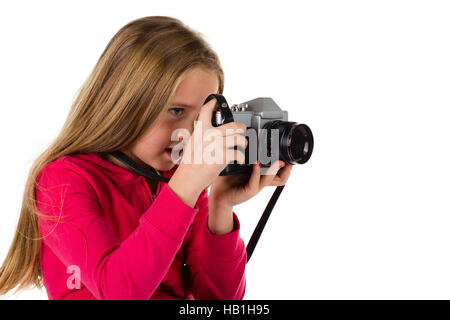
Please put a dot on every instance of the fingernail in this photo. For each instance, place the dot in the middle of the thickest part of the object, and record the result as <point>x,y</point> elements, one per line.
<point>259,163</point>
<point>282,164</point>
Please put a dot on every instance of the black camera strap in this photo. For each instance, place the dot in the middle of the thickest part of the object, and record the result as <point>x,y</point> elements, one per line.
<point>223,107</point>
<point>151,174</point>
<point>262,222</point>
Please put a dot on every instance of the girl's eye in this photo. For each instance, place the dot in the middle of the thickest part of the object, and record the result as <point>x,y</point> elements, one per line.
<point>174,111</point>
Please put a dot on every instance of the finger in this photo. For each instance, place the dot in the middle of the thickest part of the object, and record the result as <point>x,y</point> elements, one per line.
<point>228,129</point>
<point>270,174</point>
<point>283,175</point>
<point>274,168</point>
<point>206,113</point>
<point>285,172</point>
<point>232,128</point>
<point>253,182</point>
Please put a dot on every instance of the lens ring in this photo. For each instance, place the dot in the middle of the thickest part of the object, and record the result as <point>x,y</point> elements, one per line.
<point>300,143</point>
<point>295,141</point>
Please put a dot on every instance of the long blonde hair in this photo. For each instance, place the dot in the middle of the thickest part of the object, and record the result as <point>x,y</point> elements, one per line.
<point>129,88</point>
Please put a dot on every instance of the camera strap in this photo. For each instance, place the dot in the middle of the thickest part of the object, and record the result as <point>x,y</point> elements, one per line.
<point>151,174</point>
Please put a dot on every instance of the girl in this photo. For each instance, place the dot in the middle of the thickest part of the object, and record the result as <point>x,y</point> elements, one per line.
<point>91,227</point>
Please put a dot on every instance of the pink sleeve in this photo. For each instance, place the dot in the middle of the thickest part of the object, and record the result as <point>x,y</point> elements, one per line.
<point>216,262</point>
<point>80,235</point>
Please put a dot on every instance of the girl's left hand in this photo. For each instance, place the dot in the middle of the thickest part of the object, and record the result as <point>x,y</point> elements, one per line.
<point>228,191</point>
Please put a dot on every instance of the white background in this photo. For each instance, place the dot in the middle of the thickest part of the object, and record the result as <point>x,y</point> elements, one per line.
<point>368,216</point>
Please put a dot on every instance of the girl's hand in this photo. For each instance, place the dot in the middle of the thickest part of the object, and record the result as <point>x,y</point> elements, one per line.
<point>195,173</point>
<point>228,191</point>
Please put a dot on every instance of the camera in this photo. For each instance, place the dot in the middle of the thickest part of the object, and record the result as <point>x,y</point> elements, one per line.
<point>270,135</point>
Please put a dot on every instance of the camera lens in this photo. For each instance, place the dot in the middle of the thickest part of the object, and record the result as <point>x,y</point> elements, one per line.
<point>300,143</point>
<point>295,141</point>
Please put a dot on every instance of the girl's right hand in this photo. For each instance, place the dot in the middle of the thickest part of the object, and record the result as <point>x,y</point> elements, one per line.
<point>200,164</point>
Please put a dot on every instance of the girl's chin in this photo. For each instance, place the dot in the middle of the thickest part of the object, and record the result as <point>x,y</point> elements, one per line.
<point>165,166</point>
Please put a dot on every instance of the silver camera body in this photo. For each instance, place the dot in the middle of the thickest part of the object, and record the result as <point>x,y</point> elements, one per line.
<point>270,135</point>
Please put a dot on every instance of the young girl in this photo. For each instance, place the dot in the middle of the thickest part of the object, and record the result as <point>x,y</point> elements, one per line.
<point>93,228</point>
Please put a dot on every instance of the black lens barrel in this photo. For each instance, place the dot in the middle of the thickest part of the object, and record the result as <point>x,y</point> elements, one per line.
<point>296,141</point>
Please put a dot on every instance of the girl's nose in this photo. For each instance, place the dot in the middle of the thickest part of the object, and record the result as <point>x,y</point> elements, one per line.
<point>190,126</point>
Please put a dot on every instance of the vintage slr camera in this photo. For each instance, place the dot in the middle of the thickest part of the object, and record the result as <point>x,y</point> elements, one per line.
<point>270,135</point>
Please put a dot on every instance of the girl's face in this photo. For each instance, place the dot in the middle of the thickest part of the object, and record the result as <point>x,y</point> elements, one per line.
<point>151,148</point>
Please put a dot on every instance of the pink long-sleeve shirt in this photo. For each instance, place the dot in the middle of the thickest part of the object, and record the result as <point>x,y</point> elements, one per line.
<point>107,237</point>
